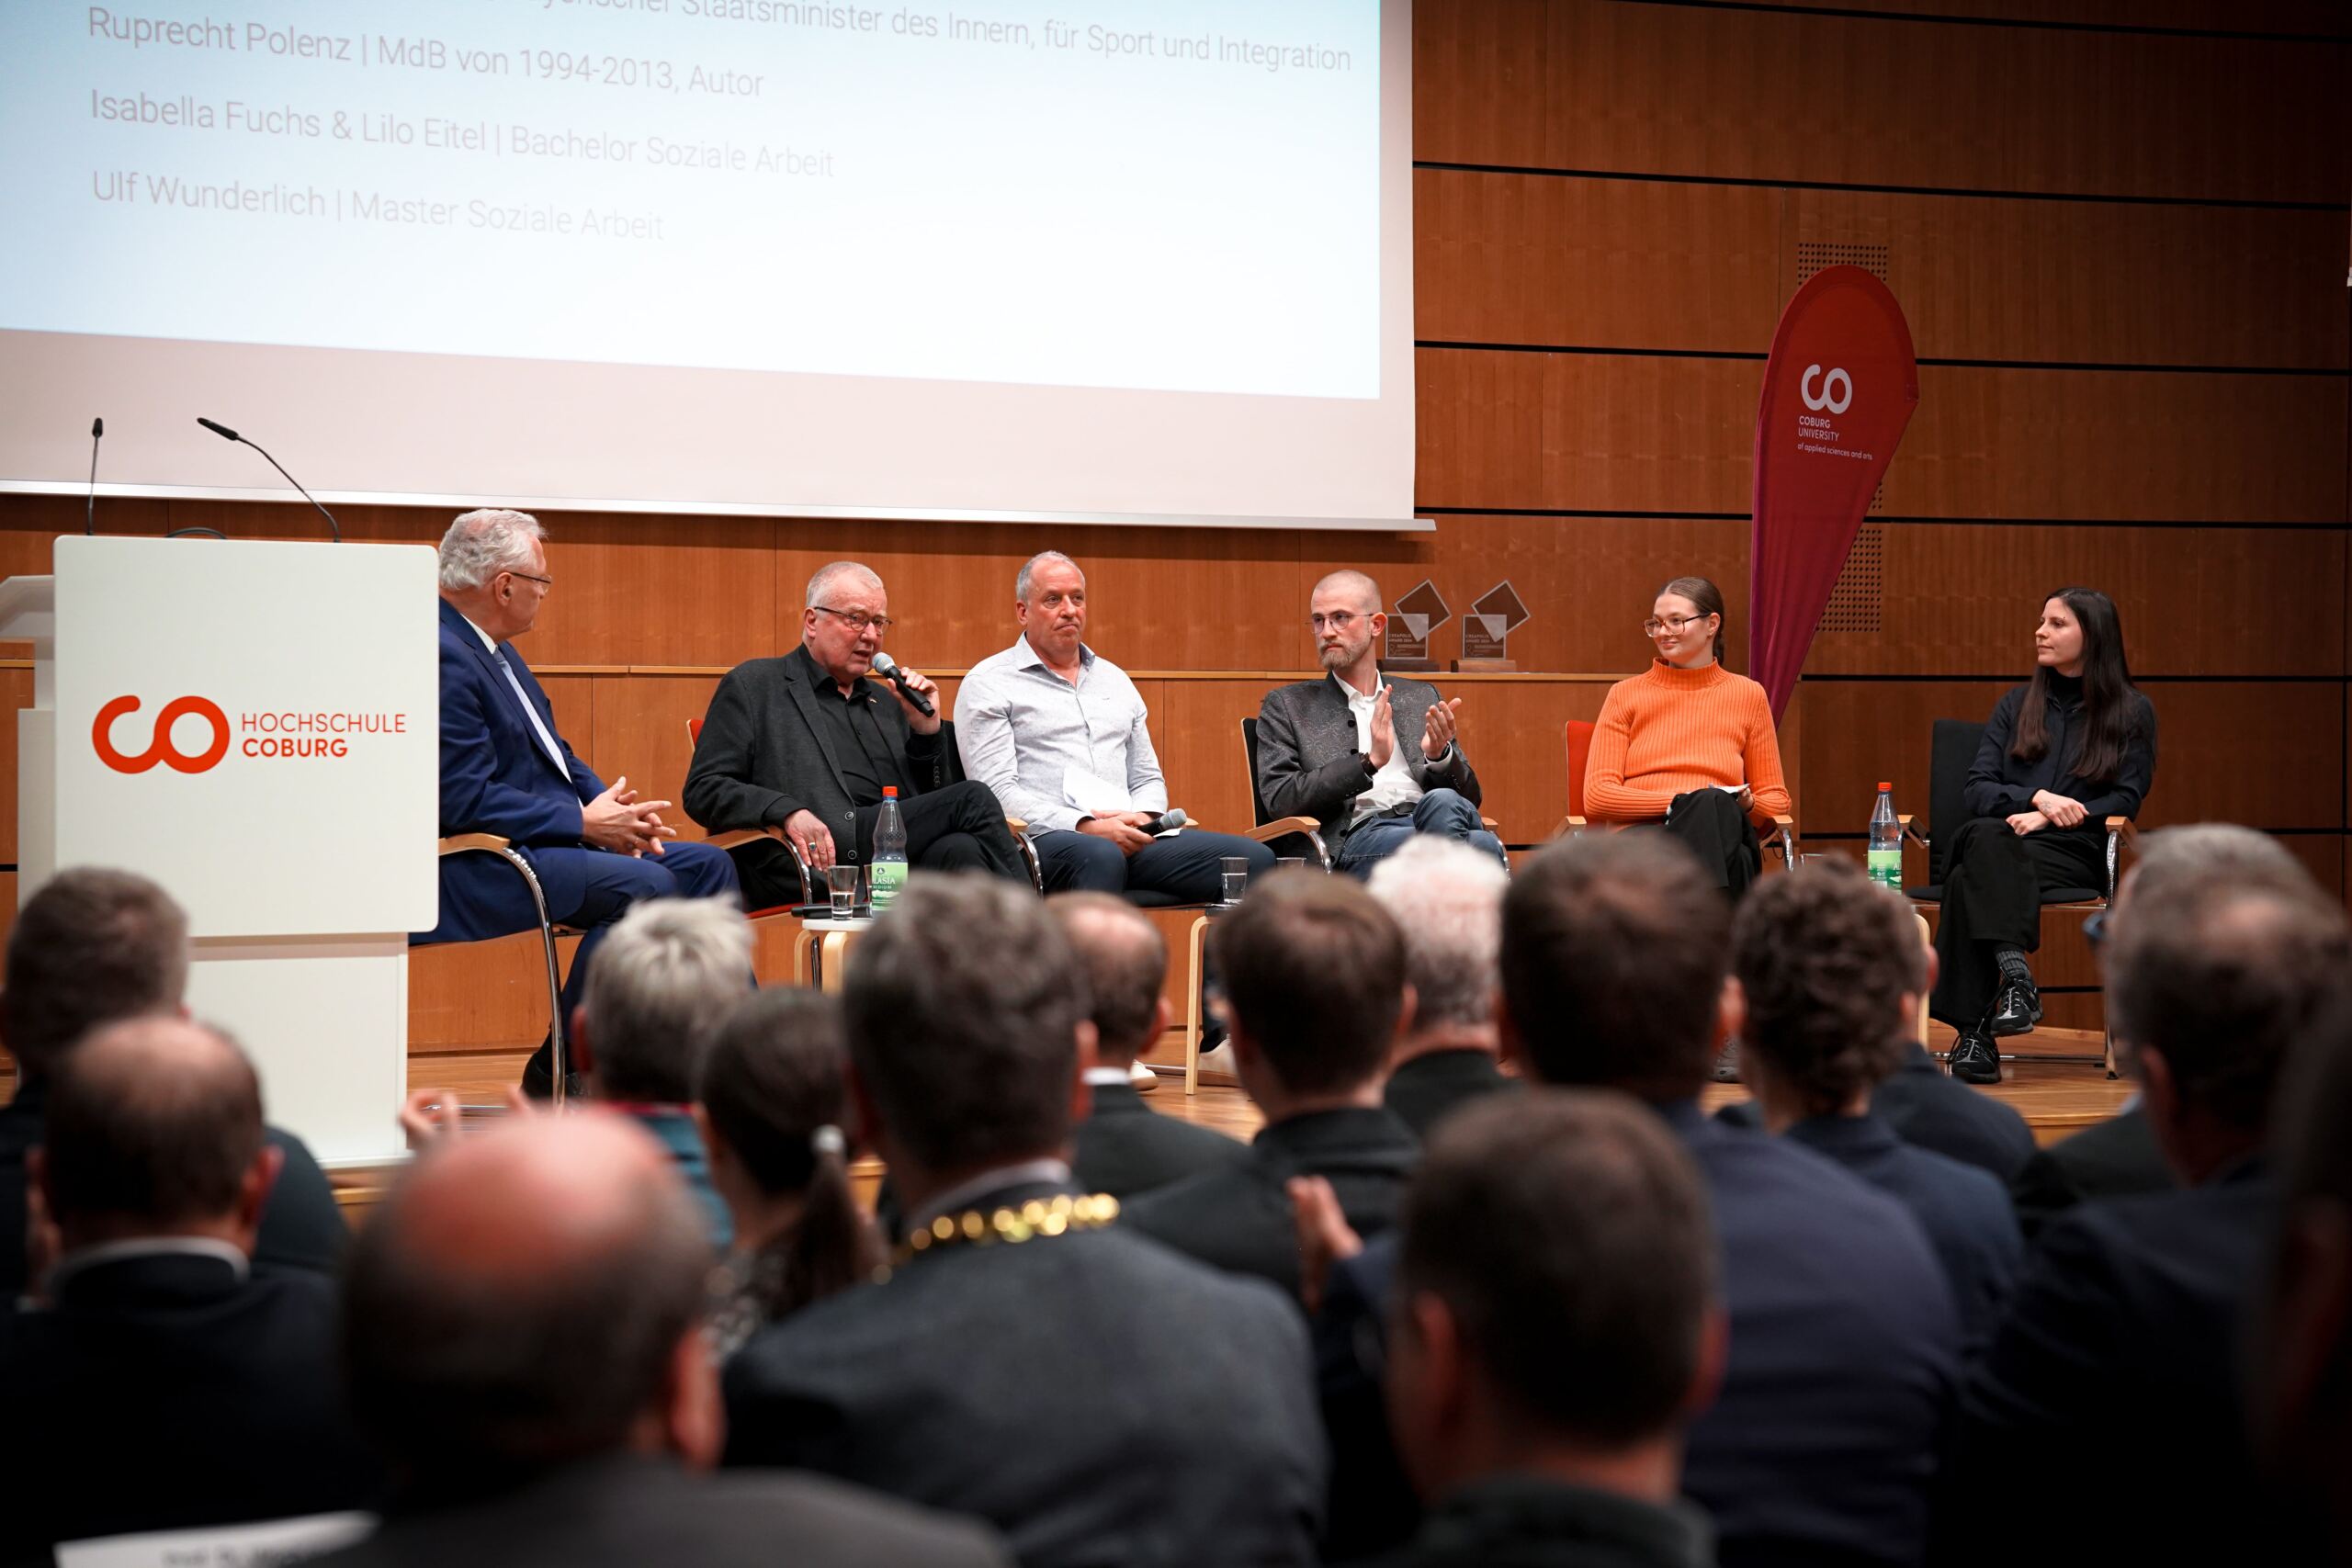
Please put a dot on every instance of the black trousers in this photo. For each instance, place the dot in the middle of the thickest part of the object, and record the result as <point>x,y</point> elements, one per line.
<point>1720,834</point>
<point>960,828</point>
<point>1993,885</point>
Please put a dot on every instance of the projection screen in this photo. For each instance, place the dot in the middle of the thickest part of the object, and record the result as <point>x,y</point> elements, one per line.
<point>1145,262</point>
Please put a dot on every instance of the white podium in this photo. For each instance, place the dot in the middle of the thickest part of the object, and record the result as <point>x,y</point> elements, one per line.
<point>254,724</point>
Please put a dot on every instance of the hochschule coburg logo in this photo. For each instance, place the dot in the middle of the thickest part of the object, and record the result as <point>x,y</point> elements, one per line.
<point>266,735</point>
<point>1831,399</point>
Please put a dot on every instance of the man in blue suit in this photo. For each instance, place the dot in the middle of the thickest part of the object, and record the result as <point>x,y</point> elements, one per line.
<point>596,847</point>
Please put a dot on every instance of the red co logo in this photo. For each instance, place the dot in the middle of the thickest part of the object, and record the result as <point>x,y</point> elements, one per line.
<point>160,749</point>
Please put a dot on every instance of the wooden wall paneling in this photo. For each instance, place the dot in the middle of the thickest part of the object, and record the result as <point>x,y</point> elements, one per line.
<point>2267,754</point>
<point>8,923</point>
<point>2306,19</point>
<point>1852,100</point>
<point>633,589</point>
<point>16,694</point>
<point>475,995</point>
<point>1600,432</point>
<point>2121,446</point>
<point>1962,599</point>
<point>1625,264</point>
<point>640,731</point>
<point>2086,282</point>
<point>574,699</point>
<point>1481,74</point>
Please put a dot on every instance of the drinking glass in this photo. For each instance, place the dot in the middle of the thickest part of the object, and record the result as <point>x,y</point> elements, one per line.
<point>840,882</point>
<point>1236,878</point>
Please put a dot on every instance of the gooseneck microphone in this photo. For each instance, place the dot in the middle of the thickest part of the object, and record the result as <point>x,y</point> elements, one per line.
<point>225,433</point>
<point>90,507</point>
<point>888,667</point>
<point>1172,818</point>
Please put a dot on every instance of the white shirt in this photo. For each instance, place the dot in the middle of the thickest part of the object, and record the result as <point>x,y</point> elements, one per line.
<point>1021,729</point>
<point>1394,785</point>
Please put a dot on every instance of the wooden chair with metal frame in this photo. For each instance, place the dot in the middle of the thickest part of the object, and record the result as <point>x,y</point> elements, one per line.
<point>1951,750</point>
<point>1577,734</point>
<point>491,844</point>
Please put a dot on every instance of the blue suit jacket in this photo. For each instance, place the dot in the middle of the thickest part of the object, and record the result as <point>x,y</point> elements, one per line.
<point>497,778</point>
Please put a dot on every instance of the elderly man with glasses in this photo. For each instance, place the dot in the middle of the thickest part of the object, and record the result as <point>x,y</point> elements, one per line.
<point>1374,757</point>
<point>807,744</point>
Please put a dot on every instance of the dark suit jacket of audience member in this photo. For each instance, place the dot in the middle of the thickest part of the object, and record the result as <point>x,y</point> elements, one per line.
<point>623,1511</point>
<point>2117,1158</point>
<point>1966,1213</point>
<point>1125,1146</point>
<point>1930,1109</point>
<point>1819,1448</point>
<point>1239,1218</point>
<point>162,1390</point>
<point>2114,1374</point>
<point>1422,1090</point>
<point>1524,1521</point>
<point>302,1226</point>
<point>1096,1397</point>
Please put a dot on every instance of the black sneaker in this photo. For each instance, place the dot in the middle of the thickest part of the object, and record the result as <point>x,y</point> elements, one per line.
<point>1973,1057</point>
<point>2015,1010</point>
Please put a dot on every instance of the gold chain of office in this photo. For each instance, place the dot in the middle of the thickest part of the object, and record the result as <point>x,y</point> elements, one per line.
<point>986,1227</point>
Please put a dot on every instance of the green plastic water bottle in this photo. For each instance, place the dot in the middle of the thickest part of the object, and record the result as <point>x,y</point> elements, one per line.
<point>1886,842</point>
<point>886,872</point>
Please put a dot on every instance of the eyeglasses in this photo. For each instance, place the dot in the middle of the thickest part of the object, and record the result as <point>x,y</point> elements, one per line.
<point>542,581</point>
<point>857,620</point>
<point>1338,620</point>
<point>1654,625</point>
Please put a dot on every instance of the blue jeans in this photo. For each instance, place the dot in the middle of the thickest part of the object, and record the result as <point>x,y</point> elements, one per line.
<point>1443,812</point>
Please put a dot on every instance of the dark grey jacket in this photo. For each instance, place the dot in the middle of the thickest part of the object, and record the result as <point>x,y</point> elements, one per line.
<point>763,754</point>
<point>1308,760</point>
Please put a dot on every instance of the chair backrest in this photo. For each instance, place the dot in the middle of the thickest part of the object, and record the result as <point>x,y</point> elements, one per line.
<point>1580,738</point>
<point>694,733</point>
<point>1951,750</point>
<point>1260,815</point>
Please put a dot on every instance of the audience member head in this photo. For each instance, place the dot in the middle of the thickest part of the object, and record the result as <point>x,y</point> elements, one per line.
<point>665,978</point>
<point>1050,595</point>
<point>775,1099</point>
<point>844,620</point>
<point>1829,975</point>
<point>1125,961</point>
<point>2209,981</point>
<point>494,569</point>
<point>2204,851</point>
<point>529,1297</point>
<point>2302,1361</point>
<point>1447,900</point>
<point>92,946</point>
<point>1613,957</point>
<point>1687,618</point>
<point>968,1036</point>
<point>1314,975</point>
<point>1344,613</point>
<point>154,1129</point>
<point>1536,1331</point>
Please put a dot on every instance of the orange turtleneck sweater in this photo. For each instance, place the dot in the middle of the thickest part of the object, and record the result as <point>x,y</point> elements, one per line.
<point>1668,730</point>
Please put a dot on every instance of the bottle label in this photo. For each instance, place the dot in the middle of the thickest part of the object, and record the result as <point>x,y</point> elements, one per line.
<point>884,878</point>
<point>1886,869</point>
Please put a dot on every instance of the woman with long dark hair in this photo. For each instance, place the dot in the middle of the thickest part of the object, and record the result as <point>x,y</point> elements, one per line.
<point>774,1098</point>
<point>2075,745</point>
<point>1689,743</point>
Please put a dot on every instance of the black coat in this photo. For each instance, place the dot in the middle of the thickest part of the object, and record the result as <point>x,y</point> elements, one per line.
<point>2001,785</point>
<point>302,1226</point>
<point>764,753</point>
<point>622,1511</point>
<point>1526,1521</point>
<point>1239,1218</point>
<point>1096,1397</point>
<point>1423,1090</point>
<point>162,1392</point>
<point>1125,1147</point>
<point>2117,1158</point>
<point>1930,1109</point>
<point>1308,760</point>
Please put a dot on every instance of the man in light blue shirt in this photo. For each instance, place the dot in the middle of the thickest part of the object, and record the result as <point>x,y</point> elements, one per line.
<point>1060,733</point>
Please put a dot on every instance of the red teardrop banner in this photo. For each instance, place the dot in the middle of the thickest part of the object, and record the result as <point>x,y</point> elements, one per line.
<point>1838,390</point>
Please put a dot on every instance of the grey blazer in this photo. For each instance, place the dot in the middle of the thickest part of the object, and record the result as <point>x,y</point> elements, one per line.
<point>1308,760</point>
<point>764,755</point>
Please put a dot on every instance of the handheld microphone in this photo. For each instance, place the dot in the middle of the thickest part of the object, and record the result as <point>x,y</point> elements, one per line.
<point>90,507</point>
<point>1172,818</point>
<point>888,667</point>
<point>225,433</point>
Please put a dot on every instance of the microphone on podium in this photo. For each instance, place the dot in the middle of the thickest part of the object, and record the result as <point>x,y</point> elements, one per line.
<point>90,507</point>
<point>225,433</point>
<point>1170,818</point>
<point>888,667</point>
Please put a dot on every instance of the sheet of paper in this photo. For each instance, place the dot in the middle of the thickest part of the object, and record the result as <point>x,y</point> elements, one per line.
<point>1093,795</point>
